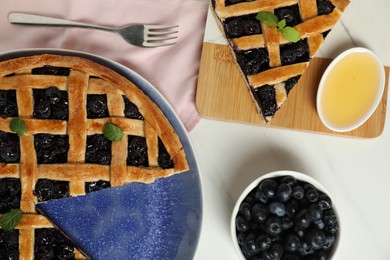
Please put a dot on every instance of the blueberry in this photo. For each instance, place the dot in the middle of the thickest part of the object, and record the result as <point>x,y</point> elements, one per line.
<point>324,7</point>
<point>164,159</point>
<point>289,180</point>
<point>98,150</point>
<point>276,250</point>
<point>291,208</point>
<point>131,110</point>
<point>137,153</point>
<point>304,249</point>
<point>290,256</point>
<point>320,224</point>
<point>312,195</point>
<point>53,95</point>
<point>284,192</point>
<point>96,186</point>
<point>268,187</point>
<point>277,208</point>
<point>51,244</point>
<point>265,95</point>
<point>324,202</point>
<point>302,219</point>
<point>241,236</point>
<point>330,239</point>
<point>253,61</point>
<point>298,192</point>
<point>294,53</point>
<point>329,217</point>
<point>263,242</point>
<point>259,212</point>
<point>260,196</point>
<point>251,27</point>
<point>250,244</point>
<point>242,225</point>
<point>273,226</point>
<point>290,14</point>
<point>46,189</point>
<point>292,242</point>
<point>245,210</point>
<point>97,106</point>
<point>315,238</point>
<point>234,28</point>
<point>315,212</point>
<point>287,222</point>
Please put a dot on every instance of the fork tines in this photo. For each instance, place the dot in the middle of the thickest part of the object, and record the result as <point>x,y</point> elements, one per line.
<point>160,35</point>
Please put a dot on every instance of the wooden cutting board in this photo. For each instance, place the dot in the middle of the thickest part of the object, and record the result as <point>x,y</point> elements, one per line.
<point>222,95</point>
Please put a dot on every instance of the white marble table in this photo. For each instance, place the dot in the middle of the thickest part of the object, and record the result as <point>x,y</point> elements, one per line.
<point>355,171</point>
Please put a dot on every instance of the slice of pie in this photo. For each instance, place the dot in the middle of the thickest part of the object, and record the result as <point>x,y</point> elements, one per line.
<point>65,102</point>
<point>270,64</point>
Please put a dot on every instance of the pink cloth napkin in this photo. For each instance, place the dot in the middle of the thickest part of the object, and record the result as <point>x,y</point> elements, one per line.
<point>172,70</point>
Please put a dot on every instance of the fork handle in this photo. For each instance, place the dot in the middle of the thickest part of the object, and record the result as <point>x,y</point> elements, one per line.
<point>23,18</point>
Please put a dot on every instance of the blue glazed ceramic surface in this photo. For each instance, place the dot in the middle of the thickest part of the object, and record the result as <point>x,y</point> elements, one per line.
<point>161,220</point>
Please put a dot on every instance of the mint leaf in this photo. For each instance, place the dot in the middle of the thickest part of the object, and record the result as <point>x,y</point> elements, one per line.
<point>112,132</point>
<point>18,126</point>
<point>291,34</point>
<point>282,24</point>
<point>11,219</point>
<point>267,18</point>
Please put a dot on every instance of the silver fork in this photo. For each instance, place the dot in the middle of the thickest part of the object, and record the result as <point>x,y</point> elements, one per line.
<point>143,35</point>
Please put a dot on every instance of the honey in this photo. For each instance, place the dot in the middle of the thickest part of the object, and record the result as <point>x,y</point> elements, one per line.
<point>350,89</point>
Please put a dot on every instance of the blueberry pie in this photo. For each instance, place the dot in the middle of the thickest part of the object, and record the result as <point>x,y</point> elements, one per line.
<point>268,60</point>
<point>65,103</point>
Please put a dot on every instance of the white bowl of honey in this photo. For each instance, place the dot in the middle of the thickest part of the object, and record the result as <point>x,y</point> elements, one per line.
<point>350,89</point>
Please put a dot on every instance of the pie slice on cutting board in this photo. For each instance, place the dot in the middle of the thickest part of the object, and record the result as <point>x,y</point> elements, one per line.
<point>270,62</point>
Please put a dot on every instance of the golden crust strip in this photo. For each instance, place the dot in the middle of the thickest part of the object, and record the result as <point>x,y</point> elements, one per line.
<point>128,125</point>
<point>249,42</point>
<point>33,221</point>
<point>307,9</point>
<point>35,126</point>
<point>74,171</point>
<point>26,102</point>
<point>99,86</point>
<point>255,7</point>
<point>116,105</point>
<point>9,170</point>
<point>27,81</point>
<point>28,173</point>
<point>272,43</point>
<point>77,91</point>
<point>277,75</point>
<point>26,243</point>
<point>118,162</point>
<point>152,144</point>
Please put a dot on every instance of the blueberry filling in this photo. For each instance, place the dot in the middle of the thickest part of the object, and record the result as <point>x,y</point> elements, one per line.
<point>324,34</point>
<point>9,147</point>
<point>164,159</point>
<point>242,26</point>
<point>131,110</point>
<point>51,244</point>
<point>285,218</point>
<point>97,106</point>
<point>232,2</point>
<point>96,186</point>
<point>253,61</point>
<point>9,244</point>
<point>291,82</point>
<point>324,7</point>
<point>51,70</point>
<point>265,95</point>
<point>137,151</point>
<point>292,53</point>
<point>290,13</point>
<point>50,103</point>
<point>9,194</point>
<point>8,104</point>
<point>98,150</point>
<point>46,189</point>
<point>51,148</point>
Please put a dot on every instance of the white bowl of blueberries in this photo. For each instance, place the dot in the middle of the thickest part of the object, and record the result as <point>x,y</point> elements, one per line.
<point>285,215</point>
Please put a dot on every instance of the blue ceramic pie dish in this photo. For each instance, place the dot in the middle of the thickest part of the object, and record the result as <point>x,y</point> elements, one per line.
<point>160,220</point>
